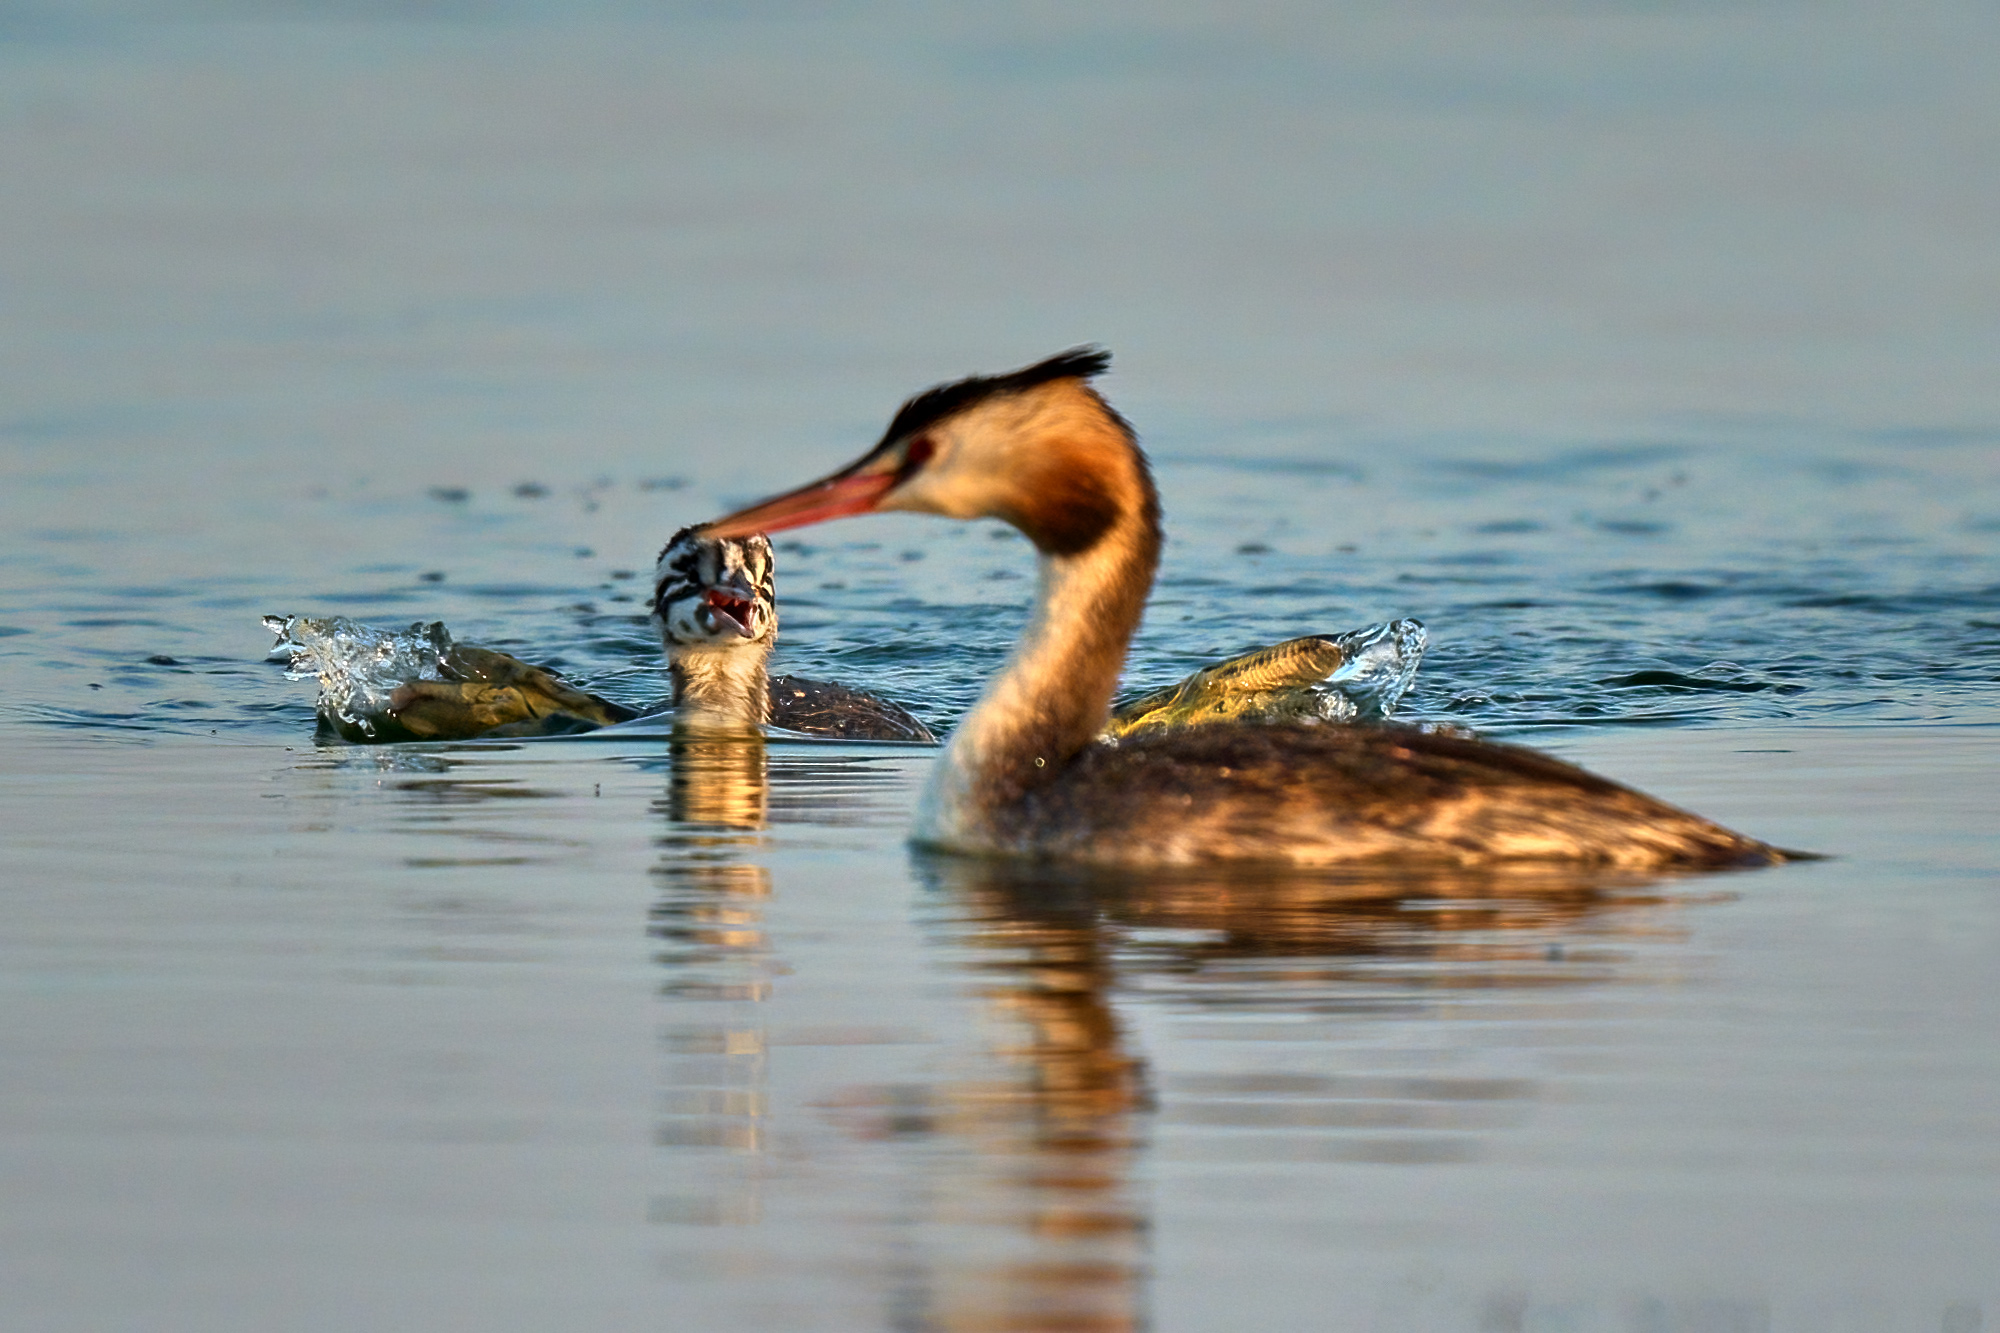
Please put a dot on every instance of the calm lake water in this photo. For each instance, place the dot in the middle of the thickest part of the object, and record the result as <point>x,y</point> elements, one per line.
<point>1644,352</point>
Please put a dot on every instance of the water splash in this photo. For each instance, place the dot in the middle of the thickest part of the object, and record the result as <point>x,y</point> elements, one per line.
<point>380,685</point>
<point>358,666</point>
<point>1356,676</point>
<point>420,685</point>
<point>1381,665</point>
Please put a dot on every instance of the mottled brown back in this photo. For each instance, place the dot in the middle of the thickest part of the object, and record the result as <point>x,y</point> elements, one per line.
<point>1341,795</point>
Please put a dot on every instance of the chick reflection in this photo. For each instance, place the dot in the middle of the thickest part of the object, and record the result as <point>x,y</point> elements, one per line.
<point>1055,948</point>
<point>709,921</point>
<point>719,779</point>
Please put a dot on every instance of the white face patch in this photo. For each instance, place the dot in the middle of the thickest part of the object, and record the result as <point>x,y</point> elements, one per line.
<point>721,593</point>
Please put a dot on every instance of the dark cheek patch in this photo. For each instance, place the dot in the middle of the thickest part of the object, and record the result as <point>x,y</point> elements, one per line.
<point>1068,511</point>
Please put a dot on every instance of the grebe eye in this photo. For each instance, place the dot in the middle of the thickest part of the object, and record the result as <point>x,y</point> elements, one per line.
<point>917,454</point>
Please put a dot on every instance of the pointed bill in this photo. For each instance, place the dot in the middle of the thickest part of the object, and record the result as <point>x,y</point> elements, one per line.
<point>843,493</point>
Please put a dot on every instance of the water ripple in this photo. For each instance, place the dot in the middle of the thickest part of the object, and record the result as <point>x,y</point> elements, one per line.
<point>1639,583</point>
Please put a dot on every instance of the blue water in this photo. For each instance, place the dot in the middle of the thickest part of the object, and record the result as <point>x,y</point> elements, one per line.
<point>1673,581</point>
<point>1644,352</point>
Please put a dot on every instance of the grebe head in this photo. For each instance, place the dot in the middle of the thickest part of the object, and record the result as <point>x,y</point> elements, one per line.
<point>1037,448</point>
<point>713,591</point>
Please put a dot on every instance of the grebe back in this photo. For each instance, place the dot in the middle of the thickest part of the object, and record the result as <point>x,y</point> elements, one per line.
<point>1040,449</point>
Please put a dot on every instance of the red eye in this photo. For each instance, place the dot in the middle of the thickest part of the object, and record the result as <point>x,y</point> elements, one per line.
<point>915,454</point>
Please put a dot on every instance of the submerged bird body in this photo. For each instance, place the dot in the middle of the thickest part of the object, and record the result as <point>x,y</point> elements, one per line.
<point>715,610</point>
<point>379,685</point>
<point>1041,450</point>
<point>1360,675</point>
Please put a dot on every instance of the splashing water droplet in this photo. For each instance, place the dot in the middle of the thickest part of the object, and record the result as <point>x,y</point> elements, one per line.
<point>357,666</point>
<point>1381,665</point>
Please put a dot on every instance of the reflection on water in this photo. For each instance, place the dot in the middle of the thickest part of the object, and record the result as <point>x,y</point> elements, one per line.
<point>709,918</point>
<point>1052,1129</point>
<point>717,782</point>
<point>693,1029</point>
<point>1318,952</point>
<point>1016,1188</point>
<point>1013,1186</point>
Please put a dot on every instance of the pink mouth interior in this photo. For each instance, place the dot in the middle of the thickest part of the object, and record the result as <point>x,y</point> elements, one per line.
<point>738,609</point>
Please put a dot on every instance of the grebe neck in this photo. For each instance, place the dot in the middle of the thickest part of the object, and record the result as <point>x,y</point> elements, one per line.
<point>1054,694</point>
<point>720,686</point>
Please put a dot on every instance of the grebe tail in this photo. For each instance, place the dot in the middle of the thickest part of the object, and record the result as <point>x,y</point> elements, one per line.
<point>1041,450</point>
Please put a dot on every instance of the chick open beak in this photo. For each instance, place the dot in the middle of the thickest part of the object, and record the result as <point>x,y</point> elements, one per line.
<point>739,613</point>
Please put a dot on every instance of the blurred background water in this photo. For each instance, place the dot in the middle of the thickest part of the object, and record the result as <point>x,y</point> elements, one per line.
<point>1643,351</point>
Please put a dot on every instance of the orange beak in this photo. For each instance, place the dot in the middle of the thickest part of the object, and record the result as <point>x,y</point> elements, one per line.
<point>846,492</point>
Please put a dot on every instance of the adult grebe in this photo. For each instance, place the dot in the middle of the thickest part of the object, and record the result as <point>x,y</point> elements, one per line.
<point>1039,449</point>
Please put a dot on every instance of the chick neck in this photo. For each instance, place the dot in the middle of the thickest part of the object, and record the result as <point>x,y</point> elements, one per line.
<point>721,685</point>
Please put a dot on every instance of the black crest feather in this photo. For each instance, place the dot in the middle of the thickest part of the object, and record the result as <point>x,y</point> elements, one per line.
<point>934,405</point>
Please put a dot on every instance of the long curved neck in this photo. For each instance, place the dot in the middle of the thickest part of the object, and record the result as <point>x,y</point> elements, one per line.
<point>1054,695</point>
<point>717,685</point>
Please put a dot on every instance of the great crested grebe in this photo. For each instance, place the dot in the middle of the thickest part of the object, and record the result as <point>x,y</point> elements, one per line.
<point>1039,448</point>
<point>715,605</point>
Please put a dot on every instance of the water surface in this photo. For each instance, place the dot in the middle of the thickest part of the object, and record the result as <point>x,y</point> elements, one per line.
<point>568,1034</point>
<point>1643,352</point>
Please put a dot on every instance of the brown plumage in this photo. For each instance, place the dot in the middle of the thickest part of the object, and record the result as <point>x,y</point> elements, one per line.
<point>1353,794</point>
<point>1278,683</point>
<point>1040,449</point>
<point>825,708</point>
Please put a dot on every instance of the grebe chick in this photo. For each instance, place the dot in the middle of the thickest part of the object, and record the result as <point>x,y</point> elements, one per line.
<point>1041,450</point>
<point>715,607</point>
